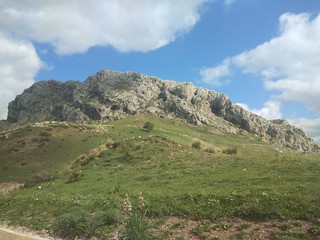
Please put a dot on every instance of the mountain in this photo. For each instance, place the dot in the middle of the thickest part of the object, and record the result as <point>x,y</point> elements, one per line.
<point>110,95</point>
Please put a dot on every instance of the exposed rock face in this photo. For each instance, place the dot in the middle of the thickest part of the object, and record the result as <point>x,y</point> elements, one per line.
<point>110,95</point>
<point>42,101</point>
<point>4,125</point>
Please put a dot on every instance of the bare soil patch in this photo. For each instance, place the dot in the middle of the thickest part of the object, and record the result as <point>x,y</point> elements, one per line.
<point>179,228</point>
<point>17,233</point>
<point>7,187</point>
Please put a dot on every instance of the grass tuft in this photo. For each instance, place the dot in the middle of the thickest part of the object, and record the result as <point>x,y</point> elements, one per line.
<point>82,224</point>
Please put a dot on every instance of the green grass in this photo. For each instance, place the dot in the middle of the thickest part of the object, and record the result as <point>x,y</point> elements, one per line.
<point>31,150</point>
<point>256,183</point>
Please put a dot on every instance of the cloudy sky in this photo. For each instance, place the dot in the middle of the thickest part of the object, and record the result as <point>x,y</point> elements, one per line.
<point>265,55</point>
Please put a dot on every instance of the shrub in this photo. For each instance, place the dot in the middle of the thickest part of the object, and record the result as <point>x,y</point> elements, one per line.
<point>45,134</point>
<point>38,178</point>
<point>100,219</point>
<point>196,145</point>
<point>148,126</point>
<point>75,176</point>
<point>87,160</point>
<point>210,150</point>
<point>83,224</point>
<point>69,226</point>
<point>230,150</point>
<point>78,162</point>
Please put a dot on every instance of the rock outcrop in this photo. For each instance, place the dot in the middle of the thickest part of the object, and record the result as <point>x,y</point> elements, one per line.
<point>110,95</point>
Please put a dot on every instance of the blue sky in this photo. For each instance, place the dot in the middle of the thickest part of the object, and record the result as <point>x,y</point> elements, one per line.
<point>264,54</point>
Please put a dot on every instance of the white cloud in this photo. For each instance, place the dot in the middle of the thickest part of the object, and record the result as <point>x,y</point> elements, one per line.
<point>228,2</point>
<point>214,75</point>
<point>18,65</point>
<point>288,63</point>
<point>310,126</point>
<point>73,26</point>
<point>270,110</point>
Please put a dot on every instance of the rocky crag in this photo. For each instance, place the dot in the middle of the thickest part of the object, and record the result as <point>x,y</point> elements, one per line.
<point>110,95</point>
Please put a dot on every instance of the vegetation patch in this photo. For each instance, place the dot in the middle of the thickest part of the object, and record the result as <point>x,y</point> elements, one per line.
<point>45,134</point>
<point>196,145</point>
<point>39,178</point>
<point>188,193</point>
<point>230,150</point>
<point>83,224</point>
<point>148,126</point>
<point>75,176</point>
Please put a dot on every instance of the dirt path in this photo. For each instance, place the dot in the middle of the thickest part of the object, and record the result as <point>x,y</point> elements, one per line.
<point>8,234</point>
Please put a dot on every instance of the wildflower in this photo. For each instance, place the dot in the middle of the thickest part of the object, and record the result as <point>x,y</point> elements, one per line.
<point>141,201</point>
<point>127,208</point>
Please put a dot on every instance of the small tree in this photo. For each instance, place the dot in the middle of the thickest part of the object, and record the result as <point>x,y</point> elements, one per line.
<point>148,126</point>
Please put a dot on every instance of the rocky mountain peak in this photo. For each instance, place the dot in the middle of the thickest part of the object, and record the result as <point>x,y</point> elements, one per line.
<point>110,95</point>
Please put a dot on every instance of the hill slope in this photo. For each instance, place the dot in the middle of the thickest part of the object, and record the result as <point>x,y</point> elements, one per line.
<point>96,165</point>
<point>110,95</point>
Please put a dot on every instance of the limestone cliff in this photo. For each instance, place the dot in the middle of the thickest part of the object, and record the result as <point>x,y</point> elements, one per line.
<point>110,95</point>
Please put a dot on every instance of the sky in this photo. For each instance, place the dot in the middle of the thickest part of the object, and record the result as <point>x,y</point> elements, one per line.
<point>263,54</point>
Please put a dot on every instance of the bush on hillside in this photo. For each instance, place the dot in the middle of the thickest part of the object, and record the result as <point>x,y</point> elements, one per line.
<point>210,150</point>
<point>38,178</point>
<point>196,145</point>
<point>75,176</point>
<point>230,150</point>
<point>45,134</point>
<point>148,126</point>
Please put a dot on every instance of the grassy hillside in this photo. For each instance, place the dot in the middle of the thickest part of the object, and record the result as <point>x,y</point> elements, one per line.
<point>44,147</point>
<point>185,171</point>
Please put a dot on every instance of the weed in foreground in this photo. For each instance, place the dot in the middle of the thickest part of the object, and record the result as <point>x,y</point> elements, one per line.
<point>137,226</point>
<point>314,231</point>
<point>83,224</point>
<point>202,229</point>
